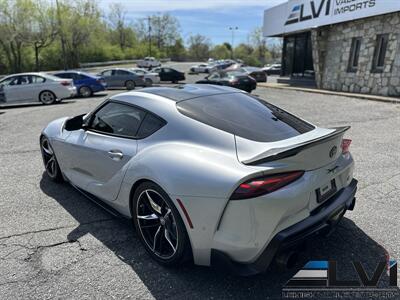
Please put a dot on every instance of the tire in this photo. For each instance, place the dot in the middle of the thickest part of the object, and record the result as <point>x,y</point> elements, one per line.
<point>51,165</point>
<point>47,97</point>
<point>130,85</point>
<point>164,237</point>
<point>85,91</point>
<point>148,82</point>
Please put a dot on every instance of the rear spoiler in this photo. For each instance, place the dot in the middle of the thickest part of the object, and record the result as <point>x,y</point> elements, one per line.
<point>284,152</point>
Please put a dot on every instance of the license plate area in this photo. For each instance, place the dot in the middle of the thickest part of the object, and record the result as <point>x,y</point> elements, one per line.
<point>326,191</point>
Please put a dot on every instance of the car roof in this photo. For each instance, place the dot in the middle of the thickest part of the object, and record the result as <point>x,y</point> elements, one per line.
<point>188,91</point>
<point>75,72</point>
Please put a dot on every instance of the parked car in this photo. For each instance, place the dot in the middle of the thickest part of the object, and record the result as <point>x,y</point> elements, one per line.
<point>257,73</point>
<point>207,173</point>
<point>203,68</point>
<point>33,87</point>
<point>148,62</point>
<point>274,69</point>
<point>86,84</point>
<point>233,79</point>
<point>149,77</point>
<point>224,65</point>
<point>119,77</point>
<point>169,74</point>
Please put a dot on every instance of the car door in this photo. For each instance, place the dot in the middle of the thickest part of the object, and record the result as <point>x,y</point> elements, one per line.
<point>95,158</point>
<point>21,89</point>
<point>8,89</point>
<point>108,77</point>
<point>38,84</point>
<point>167,74</point>
<point>123,76</point>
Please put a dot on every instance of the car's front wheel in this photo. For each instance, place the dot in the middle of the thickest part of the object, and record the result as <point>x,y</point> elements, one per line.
<point>49,159</point>
<point>159,225</point>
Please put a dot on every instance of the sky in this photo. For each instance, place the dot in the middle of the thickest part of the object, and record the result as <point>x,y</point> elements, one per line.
<point>211,18</point>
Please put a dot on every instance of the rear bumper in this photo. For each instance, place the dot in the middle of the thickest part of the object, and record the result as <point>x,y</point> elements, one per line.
<point>322,219</point>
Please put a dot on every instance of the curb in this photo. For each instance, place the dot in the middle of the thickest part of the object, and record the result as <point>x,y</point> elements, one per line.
<point>391,100</point>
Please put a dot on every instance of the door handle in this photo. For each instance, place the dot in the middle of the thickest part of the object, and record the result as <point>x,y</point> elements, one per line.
<point>115,154</point>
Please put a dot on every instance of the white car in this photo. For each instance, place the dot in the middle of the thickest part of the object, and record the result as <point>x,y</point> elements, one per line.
<point>203,68</point>
<point>148,62</point>
<point>33,87</point>
<point>149,77</point>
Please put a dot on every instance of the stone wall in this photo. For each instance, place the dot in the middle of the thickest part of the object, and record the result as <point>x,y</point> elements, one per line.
<point>331,53</point>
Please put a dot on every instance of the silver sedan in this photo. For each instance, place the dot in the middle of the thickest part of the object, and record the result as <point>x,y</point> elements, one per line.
<point>149,77</point>
<point>35,87</point>
<point>206,173</point>
<point>120,77</point>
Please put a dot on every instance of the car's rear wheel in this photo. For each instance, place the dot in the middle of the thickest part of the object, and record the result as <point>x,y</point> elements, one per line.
<point>130,85</point>
<point>148,82</point>
<point>159,225</point>
<point>49,159</point>
<point>47,97</point>
<point>85,91</point>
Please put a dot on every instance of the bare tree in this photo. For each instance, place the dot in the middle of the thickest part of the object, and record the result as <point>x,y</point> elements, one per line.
<point>199,46</point>
<point>257,40</point>
<point>45,29</point>
<point>117,20</point>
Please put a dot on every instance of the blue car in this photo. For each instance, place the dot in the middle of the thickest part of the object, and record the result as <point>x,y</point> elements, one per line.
<point>86,84</point>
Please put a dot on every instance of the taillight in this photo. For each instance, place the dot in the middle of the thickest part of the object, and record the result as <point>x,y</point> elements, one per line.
<point>345,146</point>
<point>264,185</point>
<point>65,83</point>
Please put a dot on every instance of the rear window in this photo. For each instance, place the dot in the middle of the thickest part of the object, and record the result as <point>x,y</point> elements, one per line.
<point>244,116</point>
<point>150,125</point>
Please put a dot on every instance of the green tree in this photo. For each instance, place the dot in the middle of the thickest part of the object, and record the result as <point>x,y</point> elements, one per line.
<point>221,51</point>
<point>15,30</point>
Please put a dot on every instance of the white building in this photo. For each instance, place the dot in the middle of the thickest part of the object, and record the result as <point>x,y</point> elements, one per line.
<point>345,45</point>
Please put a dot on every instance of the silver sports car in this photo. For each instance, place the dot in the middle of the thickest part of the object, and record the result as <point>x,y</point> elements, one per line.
<point>207,173</point>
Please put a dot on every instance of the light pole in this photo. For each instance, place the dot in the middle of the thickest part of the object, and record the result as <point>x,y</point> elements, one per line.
<point>232,29</point>
<point>149,36</point>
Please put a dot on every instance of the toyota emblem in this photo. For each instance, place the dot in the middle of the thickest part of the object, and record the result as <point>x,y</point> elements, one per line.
<point>333,151</point>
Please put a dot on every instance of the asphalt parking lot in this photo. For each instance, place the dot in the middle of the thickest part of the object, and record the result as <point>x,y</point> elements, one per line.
<point>54,243</point>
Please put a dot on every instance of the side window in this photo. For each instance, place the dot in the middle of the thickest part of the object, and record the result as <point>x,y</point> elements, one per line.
<point>79,77</point>
<point>354,54</point>
<point>167,70</point>
<point>24,80</point>
<point>214,76</point>
<point>117,119</point>
<point>107,73</point>
<point>38,79</point>
<point>150,125</point>
<point>381,45</point>
<point>63,75</point>
<point>9,81</point>
<point>122,72</point>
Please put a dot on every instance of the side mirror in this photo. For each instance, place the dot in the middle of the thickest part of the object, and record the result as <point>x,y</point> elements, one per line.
<point>206,77</point>
<point>75,123</point>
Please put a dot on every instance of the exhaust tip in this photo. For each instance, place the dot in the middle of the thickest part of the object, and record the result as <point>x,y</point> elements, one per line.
<point>287,260</point>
